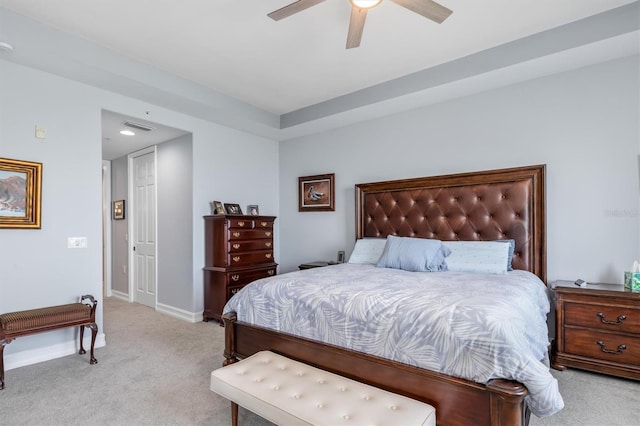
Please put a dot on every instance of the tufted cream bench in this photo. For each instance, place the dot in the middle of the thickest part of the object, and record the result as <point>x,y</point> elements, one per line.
<point>287,392</point>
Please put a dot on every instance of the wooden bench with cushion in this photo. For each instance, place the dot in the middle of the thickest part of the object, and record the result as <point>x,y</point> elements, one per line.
<point>288,392</point>
<point>22,323</point>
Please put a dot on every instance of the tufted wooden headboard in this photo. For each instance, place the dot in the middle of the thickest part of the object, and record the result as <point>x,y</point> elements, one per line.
<point>486,205</point>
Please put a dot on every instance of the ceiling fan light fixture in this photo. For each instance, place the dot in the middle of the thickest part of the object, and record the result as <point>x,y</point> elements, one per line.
<point>365,4</point>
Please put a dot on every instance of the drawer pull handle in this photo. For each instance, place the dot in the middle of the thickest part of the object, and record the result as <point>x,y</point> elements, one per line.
<point>607,351</point>
<point>241,224</point>
<point>604,321</point>
<point>263,224</point>
<point>236,246</point>
<point>270,272</point>
<point>236,258</point>
<point>234,290</point>
<point>267,244</point>
<point>236,234</point>
<point>268,255</point>
<point>235,277</point>
<point>268,234</point>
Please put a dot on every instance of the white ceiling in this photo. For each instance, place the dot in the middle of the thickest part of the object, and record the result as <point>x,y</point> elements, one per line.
<point>231,46</point>
<point>115,144</point>
<point>227,62</point>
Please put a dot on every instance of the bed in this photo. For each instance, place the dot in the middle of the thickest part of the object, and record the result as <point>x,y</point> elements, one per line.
<point>505,204</point>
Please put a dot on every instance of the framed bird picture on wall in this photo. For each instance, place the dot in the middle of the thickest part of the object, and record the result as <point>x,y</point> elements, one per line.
<point>316,193</point>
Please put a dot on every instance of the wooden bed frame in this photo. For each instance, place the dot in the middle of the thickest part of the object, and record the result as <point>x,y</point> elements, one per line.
<point>488,205</point>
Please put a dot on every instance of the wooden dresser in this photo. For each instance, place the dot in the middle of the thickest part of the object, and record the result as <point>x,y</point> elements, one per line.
<point>238,250</point>
<point>597,329</point>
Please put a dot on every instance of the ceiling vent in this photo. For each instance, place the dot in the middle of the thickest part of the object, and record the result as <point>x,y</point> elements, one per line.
<point>138,126</point>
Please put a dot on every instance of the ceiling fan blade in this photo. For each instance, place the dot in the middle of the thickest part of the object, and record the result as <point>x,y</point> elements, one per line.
<point>292,8</point>
<point>427,8</point>
<point>356,26</point>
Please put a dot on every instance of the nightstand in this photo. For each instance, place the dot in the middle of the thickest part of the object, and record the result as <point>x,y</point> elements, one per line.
<point>317,264</point>
<point>597,328</point>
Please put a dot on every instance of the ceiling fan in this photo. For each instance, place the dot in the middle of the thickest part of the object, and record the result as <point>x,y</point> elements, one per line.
<point>427,8</point>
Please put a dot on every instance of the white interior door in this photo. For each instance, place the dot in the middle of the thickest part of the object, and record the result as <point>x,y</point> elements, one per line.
<point>143,220</point>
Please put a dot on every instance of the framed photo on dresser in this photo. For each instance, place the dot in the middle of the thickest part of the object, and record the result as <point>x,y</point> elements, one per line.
<point>217,208</point>
<point>232,208</point>
<point>253,209</point>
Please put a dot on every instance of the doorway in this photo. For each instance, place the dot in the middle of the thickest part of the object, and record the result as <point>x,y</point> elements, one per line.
<point>130,243</point>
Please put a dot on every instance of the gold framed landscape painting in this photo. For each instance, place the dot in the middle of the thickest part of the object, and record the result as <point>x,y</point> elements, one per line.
<point>20,193</point>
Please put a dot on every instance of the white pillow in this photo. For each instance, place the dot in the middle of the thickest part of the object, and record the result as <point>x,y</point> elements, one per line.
<point>367,251</point>
<point>490,257</point>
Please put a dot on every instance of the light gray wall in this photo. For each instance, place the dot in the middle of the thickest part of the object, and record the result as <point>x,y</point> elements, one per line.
<point>232,167</point>
<point>37,268</point>
<point>175,215</point>
<point>119,229</point>
<point>583,124</point>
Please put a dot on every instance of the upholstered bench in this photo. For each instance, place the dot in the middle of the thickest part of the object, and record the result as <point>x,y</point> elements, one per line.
<point>22,323</point>
<point>287,392</point>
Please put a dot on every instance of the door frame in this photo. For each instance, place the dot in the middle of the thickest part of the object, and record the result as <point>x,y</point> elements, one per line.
<point>131,222</point>
<point>107,283</point>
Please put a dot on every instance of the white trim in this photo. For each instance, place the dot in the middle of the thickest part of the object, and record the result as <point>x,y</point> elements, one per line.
<point>120,295</point>
<point>106,228</point>
<point>192,317</point>
<point>47,353</point>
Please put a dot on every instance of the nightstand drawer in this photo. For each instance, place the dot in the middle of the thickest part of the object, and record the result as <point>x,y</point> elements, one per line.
<point>606,346</point>
<point>610,318</point>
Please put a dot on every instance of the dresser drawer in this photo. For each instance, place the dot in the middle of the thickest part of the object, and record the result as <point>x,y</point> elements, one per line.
<point>602,317</point>
<point>242,278</point>
<point>250,234</point>
<point>606,346</point>
<point>243,223</point>
<point>242,246</point>
<point>263,224</point>
<point>250,258</point>
<point>240,223</point>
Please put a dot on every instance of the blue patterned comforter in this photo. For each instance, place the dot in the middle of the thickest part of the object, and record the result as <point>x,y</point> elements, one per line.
<point>474,326</point>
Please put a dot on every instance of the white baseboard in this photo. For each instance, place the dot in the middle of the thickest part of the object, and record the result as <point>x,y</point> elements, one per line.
<point>34,356</point>
<point>191,317</point>
<point>120,295</point>
<point>172,311</point>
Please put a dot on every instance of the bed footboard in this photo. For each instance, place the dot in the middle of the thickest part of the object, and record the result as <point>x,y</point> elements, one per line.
<point>457,401</point>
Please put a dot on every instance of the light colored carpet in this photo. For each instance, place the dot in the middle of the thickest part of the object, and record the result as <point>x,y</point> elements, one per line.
<point>155,371</point>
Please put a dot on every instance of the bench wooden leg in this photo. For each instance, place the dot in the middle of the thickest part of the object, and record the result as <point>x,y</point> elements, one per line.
<point>82,351</point>
<point>2,364</point>
<point>234,414</point>
<point>94,333</point>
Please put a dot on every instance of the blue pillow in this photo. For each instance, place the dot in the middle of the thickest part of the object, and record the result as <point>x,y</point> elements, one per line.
<point>414,254</point>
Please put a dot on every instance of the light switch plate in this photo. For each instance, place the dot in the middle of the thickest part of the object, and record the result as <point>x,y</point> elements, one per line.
<point>77,242</point>
<point>41,132</point>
